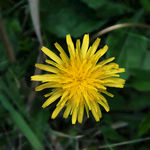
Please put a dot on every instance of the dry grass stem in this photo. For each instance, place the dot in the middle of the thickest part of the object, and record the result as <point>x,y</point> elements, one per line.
<point>125,143</point>
<point>119,26</point>
<point>5,39</point>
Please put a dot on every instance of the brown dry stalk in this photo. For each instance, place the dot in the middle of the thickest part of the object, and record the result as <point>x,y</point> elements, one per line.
<point>34,83</point>
<point>6,41</point>
<point>34,11</point>
<point>124,143</point>
<point>119,26</point>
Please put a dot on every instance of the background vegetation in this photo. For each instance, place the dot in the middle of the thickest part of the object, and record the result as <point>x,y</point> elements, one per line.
<point>24,125</point>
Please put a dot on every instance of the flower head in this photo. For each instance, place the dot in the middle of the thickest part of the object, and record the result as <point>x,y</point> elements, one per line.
<point>78,81</point>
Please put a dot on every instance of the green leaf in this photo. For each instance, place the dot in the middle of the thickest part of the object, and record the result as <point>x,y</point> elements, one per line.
<point>41,118</point>
<point>95,4</point>
<point>111,134</point>
<point>141,85</point>
<point>146,5</point>
<point>146,61</point>
<point>118,102</point>
<point>145,125</point>
<point>67,19</point>
<point>123,45</point>
<point>111,8</point>
<point>3,58</point>
<point>140,80</point>
<point>14,31</point>
<point>11,90</point>
<point>21,123</point>
<point>128,53</point>
<point>138,101</point>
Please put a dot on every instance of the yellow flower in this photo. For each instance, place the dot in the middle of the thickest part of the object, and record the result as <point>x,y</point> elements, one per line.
<point>79,80</point>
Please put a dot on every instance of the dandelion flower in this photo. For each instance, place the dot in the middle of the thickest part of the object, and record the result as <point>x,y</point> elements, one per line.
<point>80,80</point>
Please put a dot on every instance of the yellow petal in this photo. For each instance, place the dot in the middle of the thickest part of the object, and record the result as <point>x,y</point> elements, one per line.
<point>107,93</point>
<point>87,109</point>
<point>94,105</point>
<point>95,46</point>
<point>103,104</point>
<point>99,54</point>
<point>44,78</point>
<point>51,99</point>
<point>99,111</point>
<point>59,66</point>
<point>43,86</point>
<point>51,55</point>
<point>78,44</point>
<point>116,71</point>
<point>62,53</point>
<point>106,61</point>
<point>114,85</point>
<point>67,111</point>
<point>87,100</point>
<point>111,65</point>
<point>74,115</point>
<point>56,111</point>
<point>62,100</point>
<point>102,98</point>
<point>78,51</point>
<point>47,68</point>
<point>51,62</point>
<point>48,94</point>
<point>95,114</point>
<point>107,75</point>
<point>80,112</point>
<point>114,80</point>
<point>85,45</point>
<point>70,45</point>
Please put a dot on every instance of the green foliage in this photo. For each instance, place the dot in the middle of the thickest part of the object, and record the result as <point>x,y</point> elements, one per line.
<point>129,116</point>
<point>125,50</point>
<point>145,63</point>
<point>139,101</point>
<point>111,9</point>
<point>20,122</point>
<point>145,125</point>
<point>146,5</point>
<point>111,134</point>
<point>141,80</point>
<point>67,19</point>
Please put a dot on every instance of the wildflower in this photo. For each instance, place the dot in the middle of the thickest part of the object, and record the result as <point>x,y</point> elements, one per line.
<point>78,81</point>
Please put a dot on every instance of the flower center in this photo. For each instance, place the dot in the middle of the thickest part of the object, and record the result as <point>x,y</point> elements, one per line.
<point>79,78</point>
